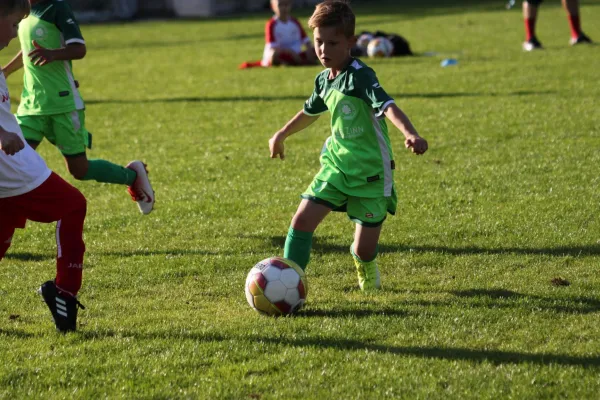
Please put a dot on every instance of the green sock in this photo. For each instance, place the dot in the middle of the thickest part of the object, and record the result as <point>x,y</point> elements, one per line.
<point>297,247</point>
<point>107,172</point>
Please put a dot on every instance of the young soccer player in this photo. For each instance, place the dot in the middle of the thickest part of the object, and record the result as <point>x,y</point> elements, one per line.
<point>357,163</point>
<point>284,38</point>
<point>51,105</point>
<point>30,191</point>
<point>530,12</point>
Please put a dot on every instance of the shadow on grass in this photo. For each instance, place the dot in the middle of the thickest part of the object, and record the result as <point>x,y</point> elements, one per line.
<point>445,353</point>
<point>167,253</point>
<point>354,313</point>
<point>15,333</point>
<point>325,246</point>
<point>495,357</point>
<point>219,99</point>
<point>28,256</point>
<point>502,298</point>
<point>171,43</point>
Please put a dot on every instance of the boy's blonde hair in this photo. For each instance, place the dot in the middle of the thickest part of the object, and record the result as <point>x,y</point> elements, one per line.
<point>334,13</point>
<point>10,6</point>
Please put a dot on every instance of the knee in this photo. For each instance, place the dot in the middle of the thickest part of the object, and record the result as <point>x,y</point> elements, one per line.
<point>302,222</point>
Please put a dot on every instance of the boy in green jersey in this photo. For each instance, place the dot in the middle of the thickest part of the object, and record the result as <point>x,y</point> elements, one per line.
<point>357,164</point>
<point>51,106</point>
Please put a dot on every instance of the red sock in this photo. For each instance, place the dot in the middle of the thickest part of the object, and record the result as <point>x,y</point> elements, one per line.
<point>70,248</point>
<point>575,25</point>
<point>529,28</point>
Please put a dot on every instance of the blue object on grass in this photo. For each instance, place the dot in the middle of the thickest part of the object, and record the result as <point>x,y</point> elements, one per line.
<point>449,61</point>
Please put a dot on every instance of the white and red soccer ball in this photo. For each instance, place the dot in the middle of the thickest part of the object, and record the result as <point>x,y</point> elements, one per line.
<point>276,286</point>
<point>380,47</point>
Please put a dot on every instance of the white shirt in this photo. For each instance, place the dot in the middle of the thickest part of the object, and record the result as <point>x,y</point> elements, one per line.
<point>283,35</point>
<point>24,171</point>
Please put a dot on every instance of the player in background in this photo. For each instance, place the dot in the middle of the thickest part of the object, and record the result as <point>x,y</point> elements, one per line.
<point>284,38</point>
<point>30,191</point>
<point>530,12</point>
<point>357,161</point>
<point>51,105</point>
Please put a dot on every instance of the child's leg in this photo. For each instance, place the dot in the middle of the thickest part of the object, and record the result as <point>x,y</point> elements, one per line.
<point>364,251</point>
<point>56,200</point>
<point>70,245</point>
<point>299,238</point>
<point>572,9</point>
<point>530,11</point>
<point>99,170</point>
<point>6,234</point>
<point>366,240</point>
<point>72,138</point>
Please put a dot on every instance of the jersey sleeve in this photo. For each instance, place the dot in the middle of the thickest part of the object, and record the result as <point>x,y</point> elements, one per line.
<point>315,105</point>
<point>66,23</point>
<point>270,40</point>
<point>372,93</point>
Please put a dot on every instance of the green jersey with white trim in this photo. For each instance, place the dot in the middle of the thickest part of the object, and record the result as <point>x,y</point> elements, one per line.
<point>357,158</point>
<point>49,89</point>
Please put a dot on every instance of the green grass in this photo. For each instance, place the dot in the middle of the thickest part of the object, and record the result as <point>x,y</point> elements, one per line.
<point>505,200</point>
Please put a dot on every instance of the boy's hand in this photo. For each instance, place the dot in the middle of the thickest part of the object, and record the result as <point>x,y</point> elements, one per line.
<point>10,143</point>
<point>40,56</point>
<point>276,146</point>
<point>417,144</point>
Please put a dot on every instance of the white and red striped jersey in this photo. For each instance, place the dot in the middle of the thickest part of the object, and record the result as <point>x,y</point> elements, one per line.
<point>24,171</point>
<point>283,35</point>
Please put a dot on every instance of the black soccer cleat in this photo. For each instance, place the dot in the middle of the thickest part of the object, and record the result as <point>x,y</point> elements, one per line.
<point>532,44</point>
<point>582,38</point>
<point>62,306</point>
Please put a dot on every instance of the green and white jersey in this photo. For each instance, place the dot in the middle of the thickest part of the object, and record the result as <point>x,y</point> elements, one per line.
<point>49,89</point>
<point>357,158</point>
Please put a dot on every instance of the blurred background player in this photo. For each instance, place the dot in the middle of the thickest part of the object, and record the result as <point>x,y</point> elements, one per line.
<point>284,38</point>
<point>51,106</point>
<point>530,12</point>
<point>357,162</point>
<point>30,191</point>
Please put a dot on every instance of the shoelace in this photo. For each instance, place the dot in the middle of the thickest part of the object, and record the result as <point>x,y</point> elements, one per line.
<point>78,304</point>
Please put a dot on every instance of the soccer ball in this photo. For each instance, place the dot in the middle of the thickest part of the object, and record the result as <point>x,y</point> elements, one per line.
<point>276,286</point>
<point>380,47</point>
<point>363,42</point>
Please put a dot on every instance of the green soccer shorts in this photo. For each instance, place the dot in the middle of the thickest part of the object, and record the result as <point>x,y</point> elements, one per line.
<point>66,131</point>
<point>370,212</point>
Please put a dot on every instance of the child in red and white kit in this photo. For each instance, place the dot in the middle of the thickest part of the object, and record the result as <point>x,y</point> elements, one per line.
<point>29,190</point>
<point>285,37</point>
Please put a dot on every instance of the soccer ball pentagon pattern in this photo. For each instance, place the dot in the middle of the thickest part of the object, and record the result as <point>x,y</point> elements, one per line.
<point>380,47</point>
<point>276,286</point>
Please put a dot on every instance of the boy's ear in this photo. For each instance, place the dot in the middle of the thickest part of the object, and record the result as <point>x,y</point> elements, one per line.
<point>353,40</point>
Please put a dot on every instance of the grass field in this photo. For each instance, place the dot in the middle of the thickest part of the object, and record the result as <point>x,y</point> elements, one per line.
<point>506,200</point>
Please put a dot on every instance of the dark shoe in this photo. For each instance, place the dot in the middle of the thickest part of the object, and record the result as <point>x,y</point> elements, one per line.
<point>62,306</point>
<point>580,39</point>
<point>532,44</point>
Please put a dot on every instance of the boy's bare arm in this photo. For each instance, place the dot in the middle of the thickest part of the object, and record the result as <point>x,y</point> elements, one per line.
<point>10,143</point>
<point>41,56</point>
<point>299,122</point>
<point>14,65</point>
<point>413,141</point>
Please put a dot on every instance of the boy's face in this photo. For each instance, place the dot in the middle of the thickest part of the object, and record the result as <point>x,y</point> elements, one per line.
<point>9,25</point>
<point>282,8</point>
<point>332,46</point>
